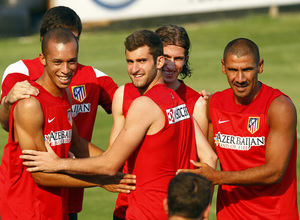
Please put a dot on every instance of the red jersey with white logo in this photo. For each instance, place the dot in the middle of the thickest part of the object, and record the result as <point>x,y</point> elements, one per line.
<point>21,197</point>
<point>89,87</point>
<point>159,156</point>
<point>240,135</point>
<point>188,95</point>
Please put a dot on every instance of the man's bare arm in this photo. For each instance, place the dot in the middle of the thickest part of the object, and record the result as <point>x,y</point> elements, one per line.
<point>28,118</point>
<point>282,119</point>
<point>82,149</point>
<point>28,122</point>
<point>135,128</point>
<point>199,115</point>
<point>118,115</point>
<point>204,150</point>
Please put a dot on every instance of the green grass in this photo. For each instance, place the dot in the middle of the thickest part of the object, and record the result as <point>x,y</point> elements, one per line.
<point>278,39</point>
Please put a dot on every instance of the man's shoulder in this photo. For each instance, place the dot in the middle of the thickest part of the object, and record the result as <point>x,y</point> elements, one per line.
<point>144,99</point>
<point>282,104</point>
<point>270,91</point>
<point>26,67</point>
<point>83,69</point>
<point>28,113</point>
<point>120,91</point>
<point>17,67</point>
<point>224,93</point>
<point>28,63</point>
<point>144,103</point>
<point>89,74</point>
<point>164,97</point>
<point>29,104</point>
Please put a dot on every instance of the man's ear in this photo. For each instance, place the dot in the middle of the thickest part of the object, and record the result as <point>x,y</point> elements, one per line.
<point>223,66</point>
<point>42,59</point>
<point>165,203</point>
<point>186,59</point>
<point>261,66</point>
<point>160,62</point>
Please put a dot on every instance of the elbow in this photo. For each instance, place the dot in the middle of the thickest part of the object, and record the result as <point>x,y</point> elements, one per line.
<point>101,165</point>
<point>38,179</point>
<point>214,160</point>
<point>275,178</point>
<point>210,159</point>
<point>107,169</point>
<point>274,175</point>
<point>110,171</point>
<point>4,126</point>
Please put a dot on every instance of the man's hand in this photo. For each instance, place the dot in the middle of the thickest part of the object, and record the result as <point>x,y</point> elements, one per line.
<point>203,170</point>
<point>119,183</point>
<point>125,185</point>
<point>206,95</point>
<point>20,90</point>
<point>49,162</point>
<point>41,161</point>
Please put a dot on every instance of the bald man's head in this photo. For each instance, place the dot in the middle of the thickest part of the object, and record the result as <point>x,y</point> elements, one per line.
<point>242,47</point>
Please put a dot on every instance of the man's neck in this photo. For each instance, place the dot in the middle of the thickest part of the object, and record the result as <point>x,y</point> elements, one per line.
<point>174,85</point>
<point>49,86</point>
<point>157,80</point>
<point>248,99</point>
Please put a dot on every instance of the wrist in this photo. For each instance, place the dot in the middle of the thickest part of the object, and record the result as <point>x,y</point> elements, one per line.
<point>62,165</point>
<point>5,102</point>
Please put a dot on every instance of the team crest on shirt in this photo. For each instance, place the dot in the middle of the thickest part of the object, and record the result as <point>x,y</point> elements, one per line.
<point>177,114</point>
<point>79,92</point>
<point>253,124</point>
<point>69,112</point>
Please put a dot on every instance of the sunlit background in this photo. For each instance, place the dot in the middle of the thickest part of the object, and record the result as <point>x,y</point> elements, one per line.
<point>211,24</point>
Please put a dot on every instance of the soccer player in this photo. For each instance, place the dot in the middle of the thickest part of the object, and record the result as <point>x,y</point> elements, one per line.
<point>89,88</point>
<point>158,135</point>
<point>254,129</point>
<point>176,52</point>
<point>44,117</point>
<point>188,198</point>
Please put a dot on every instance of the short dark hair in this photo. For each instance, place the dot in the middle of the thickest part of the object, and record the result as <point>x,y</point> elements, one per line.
<point>145,38</point>
<point>60,16</point>
<point>188,195</point>
<point>171,34</point>
<point>242,47</point>
<point>59,35</point>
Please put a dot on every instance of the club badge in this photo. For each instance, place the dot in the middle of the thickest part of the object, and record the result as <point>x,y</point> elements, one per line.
<point>253,124</point>
<point>79,92</point>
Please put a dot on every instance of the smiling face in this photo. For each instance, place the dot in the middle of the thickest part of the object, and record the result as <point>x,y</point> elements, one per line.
<point>60,63</point>
<point>242,75</point>
<point>142,69</point>
<point>174,62</point>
